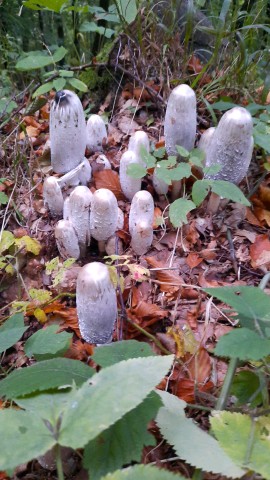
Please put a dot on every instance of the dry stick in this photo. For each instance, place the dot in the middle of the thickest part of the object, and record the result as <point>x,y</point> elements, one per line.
<point>232,251</point>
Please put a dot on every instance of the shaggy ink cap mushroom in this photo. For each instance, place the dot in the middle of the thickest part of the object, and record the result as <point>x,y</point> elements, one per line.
<point>138,140</point>
<point>129,184</point>
<point>141,219</point>
<point>104,214</point>
<point>52,196</point>
<point>96,303</point>
<point>79,207</point>
<point>67,240</point>
<point>96,133</point>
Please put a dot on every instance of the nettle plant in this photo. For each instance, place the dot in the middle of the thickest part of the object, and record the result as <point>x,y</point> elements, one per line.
<point>170,170</point>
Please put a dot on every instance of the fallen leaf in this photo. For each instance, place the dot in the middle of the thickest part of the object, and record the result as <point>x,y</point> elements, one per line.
<point>109,179</point>
<point>260,251</point>
<point>262,215</point>
<point>251,218</point>
<point>144,313</point>
<point>193,260</point>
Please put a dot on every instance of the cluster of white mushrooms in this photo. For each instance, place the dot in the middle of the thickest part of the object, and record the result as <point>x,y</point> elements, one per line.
<point>85,214</point>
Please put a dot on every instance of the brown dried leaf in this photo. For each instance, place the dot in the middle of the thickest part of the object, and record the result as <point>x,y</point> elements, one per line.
<point>109,179</point>
<point>260,251</point>
<point>193,260</point>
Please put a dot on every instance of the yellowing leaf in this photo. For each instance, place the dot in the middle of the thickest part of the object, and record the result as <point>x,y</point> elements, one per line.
<point>7,240</point>
<point>30,244</point>
<point>41,295</point>
<point>40,315</point>
<point>10,269</point>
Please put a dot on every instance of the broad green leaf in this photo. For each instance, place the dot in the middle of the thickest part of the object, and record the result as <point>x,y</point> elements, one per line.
<point>59,84</point>
<point>94,27</point>
<point>78,84</point>
<point>110,354</point>
<point>124,440</point>
<point>7,239</point>
<point>135,170</point>
<point>54,5</point>
<point>251,436</point>
<point>11,331</point>
<point>212,170</point>
<point>30,244</point>
<point>182,151</point>
<point>251,304</point>
<point>66,73</point>
<point>148,159</point>
<point>170,162</point>
<point>200,190</point>
<point>163,174</point>
<point>3,198</point>
<point>178,211</point>
<point>128,9</point>
<point>24,437</point>
<point>223,106</point>
<point>143,472</point>
<point>46,87</point>
<point>7,105</point>
<point>197,157</point>
<point>46,343</point>
<point>245,384</point>
<point>193,444</point>
<point>159,152</point>
<point>261,136</point>
<point>43,376</point>
<point>112,393</point>
<point>183,170</point>
<point>244,344</point>
<point>228,190</point>
<point>40,59</point>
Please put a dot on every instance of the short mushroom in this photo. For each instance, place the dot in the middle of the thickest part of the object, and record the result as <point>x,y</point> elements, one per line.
<point>141,218</point>
<point>96,133</point>
<point>138,140</point>
<point>67,240</point>
<point>79,215</point>
<point>52,196</point>
<point>96,303</point>
<point>129,184</point>
<point>104,216</point>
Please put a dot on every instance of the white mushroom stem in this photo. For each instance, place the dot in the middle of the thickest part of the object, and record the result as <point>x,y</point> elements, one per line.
<point>53,198</point>
<point>79,207</point>
<point>96,133</point>
<point>66,209</point>
<point>231,145</point>
<point>120,220</point>
<point>96,303</point>
<point>81,174</point>
<point>141,218</point>
<point>67,240</point>
<point>137,140</point>
<point>67,131</point>
<point>104,214</point>
<point>205,141</point>
<point>129,185</point>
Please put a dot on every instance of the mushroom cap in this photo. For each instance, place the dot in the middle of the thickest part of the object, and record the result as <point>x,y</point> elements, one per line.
<point>142,237</point>
<point>79,214</point>
<point>104,214</point>
<point>231,145</point>
<point>67,131</point>
<point>96,133</point>
<point>180,119</point>
<point>137,140</point>
<point>52,195</point>
<point>67,240</point>
<point>142,208</point>
<point>96,303</point>
<point>129,185</point>
<point>205,140</point>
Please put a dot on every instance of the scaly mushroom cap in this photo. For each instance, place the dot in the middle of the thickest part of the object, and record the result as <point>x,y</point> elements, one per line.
<point>180,119</point>
<point>104,214</point>
<point>96,133</point>
<point>52,196</point>
<point>231,145</point>
<point>205,141</point>
<point>137,140</point>
<point>79,215</point>
<point>67,131</point>
<point>129,185</point>
<point>142,237</point>
<point>96,303</point>
<point>67,240</point>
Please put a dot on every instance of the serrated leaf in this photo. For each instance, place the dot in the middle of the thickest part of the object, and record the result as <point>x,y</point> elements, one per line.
<point>46,87</point>
<point>7,239</point>
<point>30,244</point>
<point>200,190</point>
<point>124,440</point>
<point>3,198</point>
<point>25,438</point>
<point>182,151</point>
<point>193,444</point>
<point>52,265</point>
<point>143,472</point>
<point>41,295</point>
<point>112,393</point>
<point>11,331</point>
<point>48,406</point>
<point>178,211</point>
<point>251,304</point>
<point>110,354</point>
<point>228,190</point>
<point>183,170</point>
<point>135,170</point>
<point>245,383</point>
<point>244,344</point>
<point>78,84</point>
<point>59,84</point>
<point>251,437</point>
<point>43,376</point>
<point>46,343</point>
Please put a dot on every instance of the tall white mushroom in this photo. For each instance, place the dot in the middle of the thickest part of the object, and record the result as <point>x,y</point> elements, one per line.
<point>52,196</point>
<point>67,131</point>
<point>129,185</point>
<point>96,303</point>
<point>205,141</point>
<point>104,216</point>
<point>67,240</point>
<point>79,207</point>
<point>137,140</point>
<point>96,133</point>
<point>141,219</point>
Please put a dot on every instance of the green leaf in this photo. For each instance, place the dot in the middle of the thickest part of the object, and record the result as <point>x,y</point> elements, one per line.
<point>143,472</point>
<point>212,170</point>
<point>41,295</point>
<point>59,84</point>
<point>128,9</point>
<point>228,190</point>
<point>124,440</point>
<point>112,393</point>
<point>7,105</point>
<point>3,198</point>
<point>26,437</point>
<point>30,244</point>
<point>261,136</point>
<point>66,73</point>
<point>136,170</point>
<point>46,87</point>
<point>11,331</point>
<point>223,106</point>
<point>244,344</point>
<point>43,376</point>
<point>244,385</point>
<point>40,59</point>
<point>193,444</point>
<point>35,106</point>
<point>78,84</point>
<point>251,304</point>
<point>178,211</point>
<point>163,174</point>
<point>200,190</point>
<point>182,151</point>
<point>7,239</point>
<point>183,170</point>
<point>251,437</point>
<point>197,157</point>
<point>159,152</point>
<point>110,354</point>
<point>53,5</point>
<point>46,343</point>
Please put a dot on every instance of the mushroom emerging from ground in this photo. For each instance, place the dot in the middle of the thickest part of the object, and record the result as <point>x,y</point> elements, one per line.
<point>67,240</point>
<point>141,218</point>
<point>137,140</point>
<point>67,131</point>
<point>79,206</point>
<point>104,216</point>
<point>96,303</point>
<point>96,133</point>
<point>52,196</point>
<point>129,185</point>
